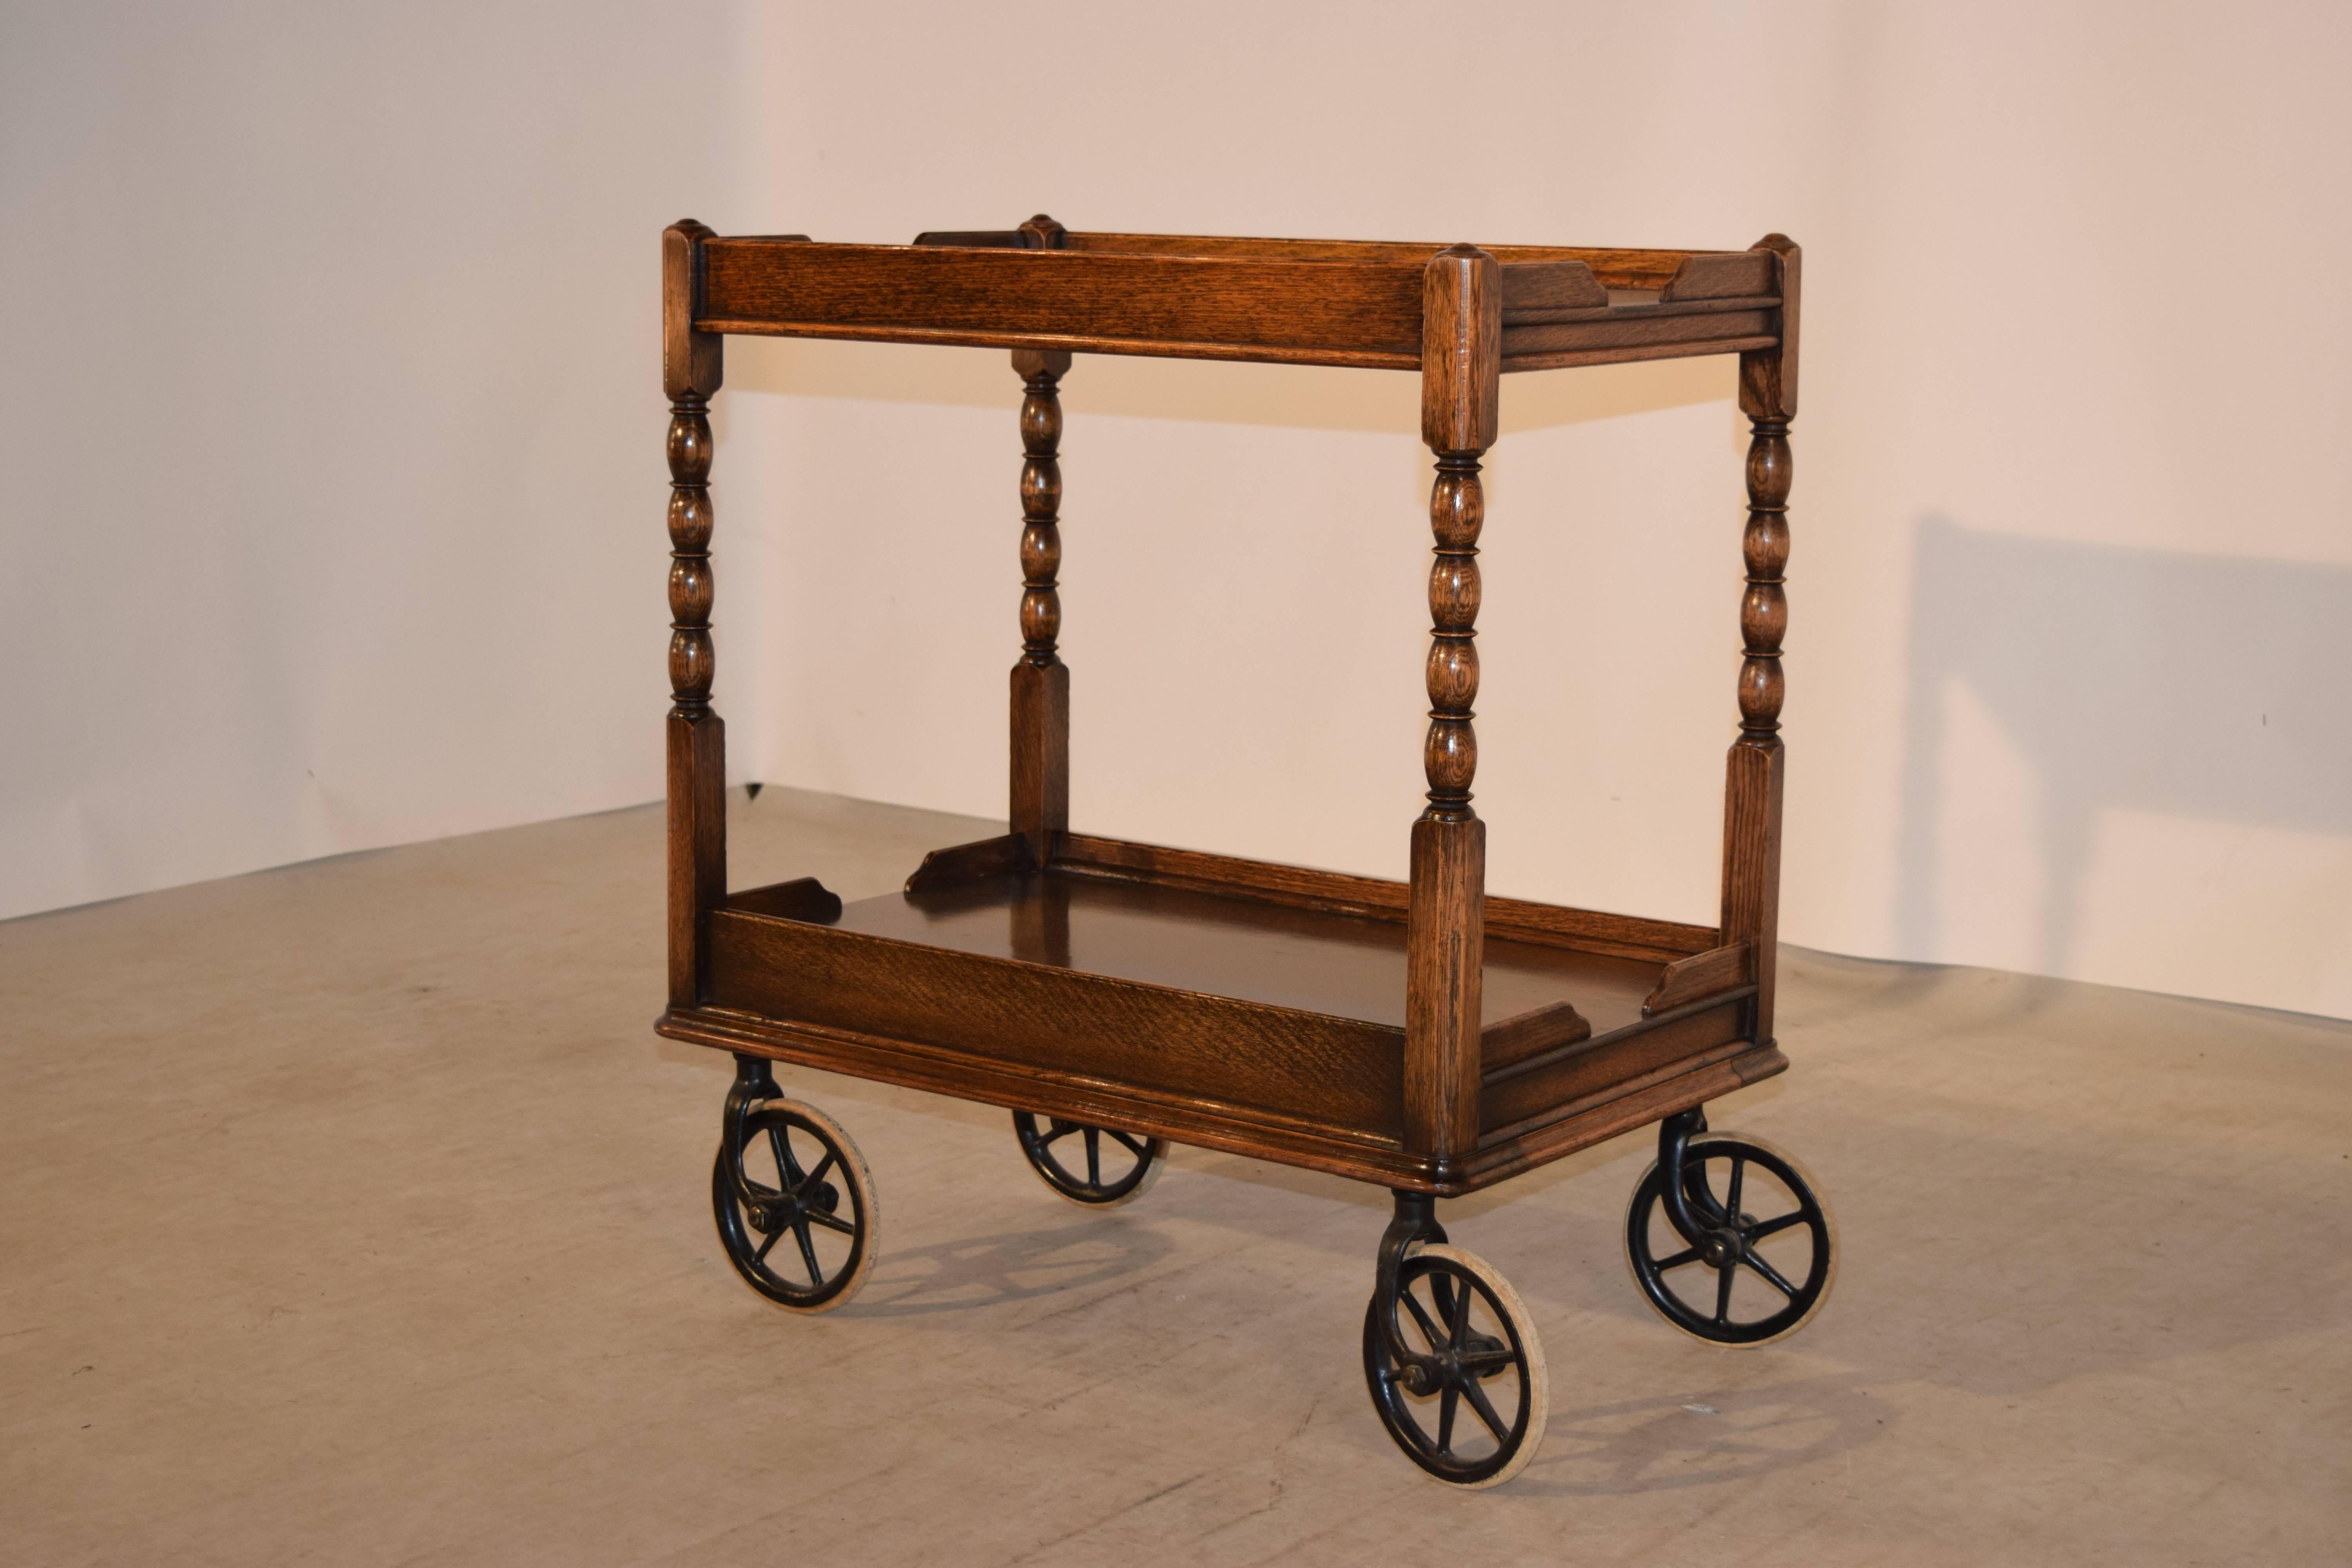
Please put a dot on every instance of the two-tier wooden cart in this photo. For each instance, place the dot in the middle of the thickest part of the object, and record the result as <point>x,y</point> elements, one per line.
<point>1115,996</point>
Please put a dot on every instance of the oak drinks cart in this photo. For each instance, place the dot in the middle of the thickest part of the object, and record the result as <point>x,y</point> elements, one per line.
<point>1116,997</point>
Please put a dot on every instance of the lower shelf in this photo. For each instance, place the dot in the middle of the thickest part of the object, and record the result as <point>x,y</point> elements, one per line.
<point>1208,1012</point>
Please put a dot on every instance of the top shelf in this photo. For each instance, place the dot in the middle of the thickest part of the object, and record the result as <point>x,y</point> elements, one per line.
<point>1305,301</point>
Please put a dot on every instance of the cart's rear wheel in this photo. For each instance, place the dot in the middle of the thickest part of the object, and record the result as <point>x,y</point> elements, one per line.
<point>1745,1280</point>
<point>795,1207</point>
<point>1104,1168</point>
<point>1469,1401</point>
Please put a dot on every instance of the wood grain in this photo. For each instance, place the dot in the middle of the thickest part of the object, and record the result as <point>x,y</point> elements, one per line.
<point>1767,377</point>
<point>1040,706</point>
<point>1619,1109</point>
<point>697,744</point>
<point>990,296</point>
<point>693,362</point>
<point>802,899</point>
<point>1530,1034</point>
<point>1331,1071</point>
<point>1522,1094</point>
<point>1755,771</point>
<point>984,861</point>
<point>1589,931</point>
<point>1613,268</point>
<point>1701,975</point>
<point>1313,961</point>
<point>697,843</point>
<point>1461,336</point>
<point>1636,328</point>
<point>1192,1119</point>
<point>1721,275</point>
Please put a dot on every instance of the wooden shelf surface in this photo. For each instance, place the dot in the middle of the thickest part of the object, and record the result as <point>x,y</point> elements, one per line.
<point>1226,1002</point>
<point>1339,965</point>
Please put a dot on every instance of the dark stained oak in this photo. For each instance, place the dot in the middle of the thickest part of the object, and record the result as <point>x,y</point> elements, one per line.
<point>1701,975</point>
<point>1041,681</point>
<point>1592,930</point>
<point>1349,966</point>
<point>1445,922</point>
<point>1332,302</point>
<point>1417,1033</point>
<point>692,366</point>
<point>1755,771</point>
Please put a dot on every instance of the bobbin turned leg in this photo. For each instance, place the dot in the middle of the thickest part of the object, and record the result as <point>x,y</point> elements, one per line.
<point>1446,917</point>
<point>1753,773</point>
<point>691,373</point>
<point>1041,682</point>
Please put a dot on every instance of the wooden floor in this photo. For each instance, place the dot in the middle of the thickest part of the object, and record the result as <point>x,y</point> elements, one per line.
<point>352,1214</point>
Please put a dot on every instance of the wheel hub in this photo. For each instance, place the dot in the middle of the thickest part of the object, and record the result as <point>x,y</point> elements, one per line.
<point>1722,1249</point>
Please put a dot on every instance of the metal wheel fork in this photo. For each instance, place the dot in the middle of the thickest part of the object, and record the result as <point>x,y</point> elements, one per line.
<point>1416,1224</point>
<point>1675,1135</point>
<point>755,1080</point>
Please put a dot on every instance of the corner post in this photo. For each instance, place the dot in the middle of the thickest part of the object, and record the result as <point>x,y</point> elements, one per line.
<point>1461,365</point>
<point>1754,769</point>
<point>691,373</point>
<point>1041,681</point>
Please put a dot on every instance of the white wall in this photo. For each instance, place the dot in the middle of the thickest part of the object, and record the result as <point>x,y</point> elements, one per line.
<point>364,544</point>
<point>2072,576</point>
<point>331,423</point>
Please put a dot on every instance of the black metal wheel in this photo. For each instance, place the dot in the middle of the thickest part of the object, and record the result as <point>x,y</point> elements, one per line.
<point>1115,1167</point>
<point>795,1206</point>
<point>1761,1256</point>
<point>1454,1368</point>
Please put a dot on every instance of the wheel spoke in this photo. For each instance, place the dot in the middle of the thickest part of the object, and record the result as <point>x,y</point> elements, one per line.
<point>1487,1362</point>
<point>1774,1226</point>
<point>1093,1156</point>
<point>813,1177</point>
<point>1477,1397</point>
<point>1056,1128</point>
<point>780,1139</point>
<point>831,1222</point>
<point>1687,1255</point>
<point>1772,1276</point>
<point>808,1253</point>
<point>1447,1403</point>
<point>1461,1326</point>
<point>1429,1334</point>
<point>1723,1294</point>
<point>761,1256</point>
<point>1738,1177</point>
<point>1133,1147</point>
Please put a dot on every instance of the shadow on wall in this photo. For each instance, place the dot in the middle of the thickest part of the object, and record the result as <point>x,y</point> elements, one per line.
<point>2202,686</point>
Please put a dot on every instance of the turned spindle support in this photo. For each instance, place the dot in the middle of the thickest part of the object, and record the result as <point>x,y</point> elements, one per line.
<point>691,373</point>
<point>1461,365</point>
<point>1041,682</point>
<point>1755,771</point>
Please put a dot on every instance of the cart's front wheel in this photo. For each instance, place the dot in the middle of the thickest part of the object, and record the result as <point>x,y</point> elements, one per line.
<point>1467,1399</point>
<point>1101,1168</point>
<point>795,1206</point>
<point>1743,1280</point>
